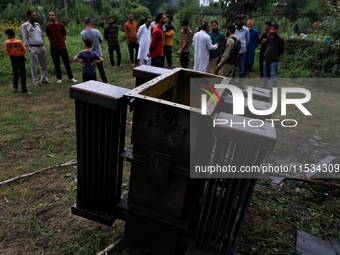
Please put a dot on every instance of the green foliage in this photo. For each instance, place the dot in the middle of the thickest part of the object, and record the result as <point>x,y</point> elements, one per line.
<point>124,7</point>
<point>306,58</point>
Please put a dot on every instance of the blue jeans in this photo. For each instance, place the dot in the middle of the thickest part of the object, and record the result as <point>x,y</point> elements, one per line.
<point>267,69</point>
<point>241,63</point>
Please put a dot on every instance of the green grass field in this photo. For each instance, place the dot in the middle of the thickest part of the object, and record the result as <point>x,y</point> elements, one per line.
<point>38,130</point>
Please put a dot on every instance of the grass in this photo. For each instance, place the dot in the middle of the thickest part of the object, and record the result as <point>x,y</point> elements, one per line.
<point>38,131</point>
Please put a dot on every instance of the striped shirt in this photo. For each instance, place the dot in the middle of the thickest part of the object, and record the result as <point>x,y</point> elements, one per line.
<point>111,34</point>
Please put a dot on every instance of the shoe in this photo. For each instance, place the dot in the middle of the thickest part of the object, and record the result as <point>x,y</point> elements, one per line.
<point>58,81</point>
<point>73,80</point>
<point>27,92</point>
<point>133,65</point>
<point>37,84</point>
<point>114,67</point>
<point>46,82</point>
<point>120,66</point>
<point>15,90</point>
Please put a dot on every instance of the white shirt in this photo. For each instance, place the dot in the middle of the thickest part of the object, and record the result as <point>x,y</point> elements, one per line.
<point>203,46</point>
<point>144,39</point>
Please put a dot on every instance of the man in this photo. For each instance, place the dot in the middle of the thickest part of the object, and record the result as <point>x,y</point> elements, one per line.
<point>267,28</point>
<point>144,39</point>
<point>254,40</point>
<point>97,39</point>
<point>241,33</point>
<point>56,33</point>
<point>274,49</point>
<point>203,46</point>
<point>111,36</point>
<point>156,51</point>
<point>200,27</point>
<point>35,44</point>
<point>131,29</point>
<point>185,44</point>
<point>216,36</point>
<point>168,42</point>
<point>226,65</point>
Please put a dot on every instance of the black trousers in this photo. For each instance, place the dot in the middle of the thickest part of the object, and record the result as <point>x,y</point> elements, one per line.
<point>119,56</point>
<point>132,46</point>
<point>157,61</point>
<point>18,66</point>
<point>63,54</point>
<point>168,55</point>
<point>185,59</point>
<point>102,72</point>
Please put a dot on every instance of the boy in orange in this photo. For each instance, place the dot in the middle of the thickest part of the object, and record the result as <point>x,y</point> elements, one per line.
<point>16,50</point>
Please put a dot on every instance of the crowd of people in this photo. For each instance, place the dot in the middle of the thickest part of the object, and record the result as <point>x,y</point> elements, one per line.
<point>149,43</point>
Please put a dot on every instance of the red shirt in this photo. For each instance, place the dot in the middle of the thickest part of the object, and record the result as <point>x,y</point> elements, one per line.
<point>56,33</point>
<point>156,45</point>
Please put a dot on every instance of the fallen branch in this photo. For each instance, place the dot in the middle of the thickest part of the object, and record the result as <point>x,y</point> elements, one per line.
<point>71,163</point>
<point>290,177</point>
<point>110,247</point>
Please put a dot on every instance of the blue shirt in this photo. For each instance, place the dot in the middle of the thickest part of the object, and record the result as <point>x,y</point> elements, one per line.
<point>243,35</point>
<point>88,58</point>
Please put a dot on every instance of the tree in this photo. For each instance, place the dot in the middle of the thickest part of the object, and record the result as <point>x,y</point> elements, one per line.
<point>235,7</point>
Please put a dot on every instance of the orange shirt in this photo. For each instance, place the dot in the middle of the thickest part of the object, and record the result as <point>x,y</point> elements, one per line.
<point>15,48</point>
<point>131,30</point>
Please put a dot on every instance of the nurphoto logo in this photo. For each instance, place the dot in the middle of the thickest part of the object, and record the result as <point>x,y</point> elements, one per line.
<point>239,104</point>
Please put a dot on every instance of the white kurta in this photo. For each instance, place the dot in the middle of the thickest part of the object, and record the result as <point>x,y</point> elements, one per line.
<point>144,40</point>
<point>203,46</point>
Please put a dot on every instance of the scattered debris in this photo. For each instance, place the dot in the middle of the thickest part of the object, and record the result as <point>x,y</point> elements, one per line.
<point>317,138</point>
<point>6,199</point>
<point>72,162</point>
<point>308,244</point>
<point>110,248</point>
<point>276,180</point>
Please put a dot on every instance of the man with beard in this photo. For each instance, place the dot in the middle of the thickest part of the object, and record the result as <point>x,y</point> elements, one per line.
<point>226,65</point>
<point>185,44</point>
<point>216,36</point>
<point>241,33</point>
<point>144,39</point>
<point>168,42</point>
<point>131,29</point>
<point>267,27</point>
<point>156,50</point>
<point>111,35</point>
<point>35,44</point>
<point>203,46</point>
<point>56,33</point>
<point>274,49</point>
<point>254,40</point>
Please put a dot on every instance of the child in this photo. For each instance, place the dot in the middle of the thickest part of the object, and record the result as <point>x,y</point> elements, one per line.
<point>89,59</point>
<point>16,50</point>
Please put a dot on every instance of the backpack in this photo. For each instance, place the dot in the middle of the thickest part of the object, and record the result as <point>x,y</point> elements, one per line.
<point>233,57</point>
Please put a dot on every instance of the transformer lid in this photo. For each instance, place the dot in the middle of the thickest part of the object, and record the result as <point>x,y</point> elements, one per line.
<point>98,93</point>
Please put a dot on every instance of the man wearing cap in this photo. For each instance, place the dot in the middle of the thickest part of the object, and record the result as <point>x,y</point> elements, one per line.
<point>241,33</point>
<point>35,44</point>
